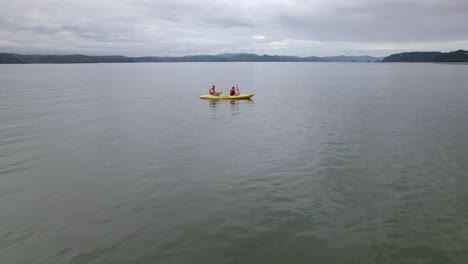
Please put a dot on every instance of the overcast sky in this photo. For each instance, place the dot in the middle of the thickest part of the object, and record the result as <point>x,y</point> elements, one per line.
<point>183,27</point>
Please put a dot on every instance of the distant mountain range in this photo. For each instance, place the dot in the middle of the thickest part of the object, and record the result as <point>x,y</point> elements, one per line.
<point>10,58</point>
<point>454,56</point>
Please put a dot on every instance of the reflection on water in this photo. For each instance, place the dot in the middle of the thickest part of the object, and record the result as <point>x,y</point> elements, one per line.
<point>213,103</point>
<point>234,107</point>
<point>218,103</point>
<point>226,108</point>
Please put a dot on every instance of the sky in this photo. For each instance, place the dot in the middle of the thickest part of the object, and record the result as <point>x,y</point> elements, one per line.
<point>274,27</point>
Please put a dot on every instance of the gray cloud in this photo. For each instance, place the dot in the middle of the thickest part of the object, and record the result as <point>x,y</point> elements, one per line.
<point>181,27</point>
<point>388,21</point>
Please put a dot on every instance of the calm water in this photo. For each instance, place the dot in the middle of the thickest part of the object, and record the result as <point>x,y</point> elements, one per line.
<point>330,163</point>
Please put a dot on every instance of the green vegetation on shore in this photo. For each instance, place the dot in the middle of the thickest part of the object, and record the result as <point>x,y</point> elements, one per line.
<point>454,56</point>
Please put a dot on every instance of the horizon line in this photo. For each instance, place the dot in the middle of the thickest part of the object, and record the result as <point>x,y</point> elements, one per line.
<point>218,54</point>
<point>188,55</point>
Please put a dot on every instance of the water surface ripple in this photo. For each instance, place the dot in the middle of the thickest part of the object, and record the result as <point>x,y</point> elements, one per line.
<point>330,163</point>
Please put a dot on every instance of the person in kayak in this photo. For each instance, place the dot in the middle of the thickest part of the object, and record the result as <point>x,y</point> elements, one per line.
<point>213,91</point>
<point>233,91</point>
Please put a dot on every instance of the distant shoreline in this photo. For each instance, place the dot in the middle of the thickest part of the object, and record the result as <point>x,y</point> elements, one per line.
<point>458,63</point>
<point>458,57</point>
<point>11,58</point>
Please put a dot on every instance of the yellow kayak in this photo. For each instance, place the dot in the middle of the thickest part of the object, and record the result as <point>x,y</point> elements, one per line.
<point>227,97</point>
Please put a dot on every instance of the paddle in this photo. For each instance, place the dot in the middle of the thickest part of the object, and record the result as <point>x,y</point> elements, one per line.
<point>238,93</point>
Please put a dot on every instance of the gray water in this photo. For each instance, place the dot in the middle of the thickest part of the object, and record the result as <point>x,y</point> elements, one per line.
<point>330,163</point>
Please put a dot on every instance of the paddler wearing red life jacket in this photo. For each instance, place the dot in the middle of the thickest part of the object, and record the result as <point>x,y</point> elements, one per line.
<point>213,91</point>
<point>232,92</point>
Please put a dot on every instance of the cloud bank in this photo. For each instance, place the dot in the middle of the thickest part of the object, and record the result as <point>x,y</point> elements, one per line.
<point>183,27</point>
